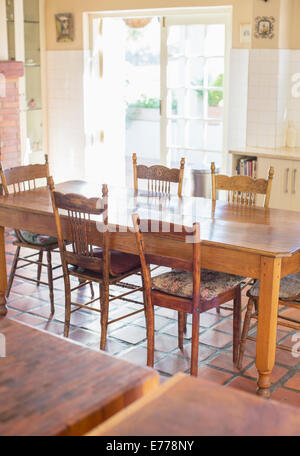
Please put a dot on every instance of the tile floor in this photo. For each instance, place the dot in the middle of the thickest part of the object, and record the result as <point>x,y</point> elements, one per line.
<point>127,338</point>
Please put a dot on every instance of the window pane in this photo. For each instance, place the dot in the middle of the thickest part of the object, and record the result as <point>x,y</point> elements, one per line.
<point>175,133</point>
<point>214,139</point>
<point>215,72</point>
<point>176,72</point>
<point>196,39</point>
<point>176,40</point>
<point>215,40</point>
<point>196,71</point>
<point>195,103</point>
<point>196,134</point>
<point>175,102</point>
<point>214,157</point>
<point>215,104</point>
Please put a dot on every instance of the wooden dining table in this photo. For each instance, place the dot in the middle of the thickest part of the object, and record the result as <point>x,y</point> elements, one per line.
<point>249,241</point>
<point>51,386</point>
<point>189,406</point>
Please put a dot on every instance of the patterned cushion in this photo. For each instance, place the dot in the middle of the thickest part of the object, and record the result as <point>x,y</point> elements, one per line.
<point>37,239</point>
<point>180,283</point>
<point>289,287</point>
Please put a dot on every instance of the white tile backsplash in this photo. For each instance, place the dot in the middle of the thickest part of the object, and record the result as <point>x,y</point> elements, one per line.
<point>238,95</point>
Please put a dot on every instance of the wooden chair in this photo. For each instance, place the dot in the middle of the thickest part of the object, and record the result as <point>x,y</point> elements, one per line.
<point>242,189</point>
<point>21,179</point>
<point>188,289</point>
<point>289,296</point>
<point>76,217</point>
<point>159,178</point>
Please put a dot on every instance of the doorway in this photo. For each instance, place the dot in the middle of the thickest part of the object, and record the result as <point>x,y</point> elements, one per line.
<point>164,79</point>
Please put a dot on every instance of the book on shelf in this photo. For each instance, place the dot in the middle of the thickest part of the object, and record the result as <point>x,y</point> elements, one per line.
<point>247,167</point>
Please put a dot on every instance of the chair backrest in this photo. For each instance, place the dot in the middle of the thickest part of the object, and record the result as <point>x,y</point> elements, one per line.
<point>23,178</point>
<point>159,178</point>
<point>242,189</point>
<point>190,234</point>
<point>78,210</point>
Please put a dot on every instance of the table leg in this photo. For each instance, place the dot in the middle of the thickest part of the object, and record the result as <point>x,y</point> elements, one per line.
<point>3,274</point>
<point>267,322</point>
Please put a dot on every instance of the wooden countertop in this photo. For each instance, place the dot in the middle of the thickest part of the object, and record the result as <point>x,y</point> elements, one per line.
<point>283,153</point>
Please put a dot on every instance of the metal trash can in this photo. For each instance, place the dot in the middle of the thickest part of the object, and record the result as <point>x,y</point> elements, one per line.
<point>202,182</point>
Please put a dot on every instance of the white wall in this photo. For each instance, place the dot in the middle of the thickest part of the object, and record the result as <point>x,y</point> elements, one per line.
<point>66,114</point>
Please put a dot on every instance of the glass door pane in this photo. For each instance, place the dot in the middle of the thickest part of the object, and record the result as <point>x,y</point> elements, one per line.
<point>195,92</point>
<point>142,92</point>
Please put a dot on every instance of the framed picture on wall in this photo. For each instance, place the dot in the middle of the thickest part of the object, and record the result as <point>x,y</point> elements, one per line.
<point>64,27</point>
<point>264,27</point>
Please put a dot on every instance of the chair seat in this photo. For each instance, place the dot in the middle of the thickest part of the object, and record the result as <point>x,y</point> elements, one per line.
<point>120,263</point>
<point>289,287</point>
<point>37,239</point>
<point>180,283</point>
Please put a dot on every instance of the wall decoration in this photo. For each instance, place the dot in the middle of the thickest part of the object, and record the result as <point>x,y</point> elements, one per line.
<point>264,27</point>
<point>138,22</point>
<point>64,27</point>
<point>245,33</point>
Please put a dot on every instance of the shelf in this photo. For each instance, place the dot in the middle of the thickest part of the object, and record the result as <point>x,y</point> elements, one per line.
<point>29,109</point>
<point>28,65</point>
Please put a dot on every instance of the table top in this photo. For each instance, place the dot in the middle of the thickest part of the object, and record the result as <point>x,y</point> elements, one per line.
<point>52,386</point>
<point>188,406</point>
<point>272,232</point>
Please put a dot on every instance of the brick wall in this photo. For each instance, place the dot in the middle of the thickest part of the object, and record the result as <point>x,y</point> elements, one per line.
<point>10,146</point>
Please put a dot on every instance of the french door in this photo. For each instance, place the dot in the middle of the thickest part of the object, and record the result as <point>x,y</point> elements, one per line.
<point>164,87</point>
<point>194,79</point>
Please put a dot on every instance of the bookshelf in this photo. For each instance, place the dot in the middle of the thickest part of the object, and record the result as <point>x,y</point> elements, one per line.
<point>25,42</point>
<point>286,182</point>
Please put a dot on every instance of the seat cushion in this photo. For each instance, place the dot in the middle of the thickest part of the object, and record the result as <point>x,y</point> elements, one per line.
<point>120,263</point>
<point>180,283</point>
<point>289,287</point>
<point>37,239</point>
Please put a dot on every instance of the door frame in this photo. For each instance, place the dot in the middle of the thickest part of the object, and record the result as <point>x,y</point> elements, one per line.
<point>208,15</point>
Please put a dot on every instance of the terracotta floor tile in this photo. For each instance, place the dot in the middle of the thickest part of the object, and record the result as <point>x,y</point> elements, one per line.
<point>294,382</point>
<point>172,330</point>
<point>203,353</point>
<point>138,355</point>
<point>113,347</point>
<point>83,336</point>
<point>285,357</point>
<point>277,373</point>
<point>172,364</point>
<point>207,319</point>
<point>213,375</point>
<point>224,361</point>
<point>30,319</point>
<point>12,313</point>
<point>53,327</point>
<point>287,397</point>
<point>243,384</point>
<point>165,343</point>
<point>132,334</point>
<point>215,339</point>
<point>169,313</point>
<point>25,304</point>
<point>159,322</point>
<point>226,326</point>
